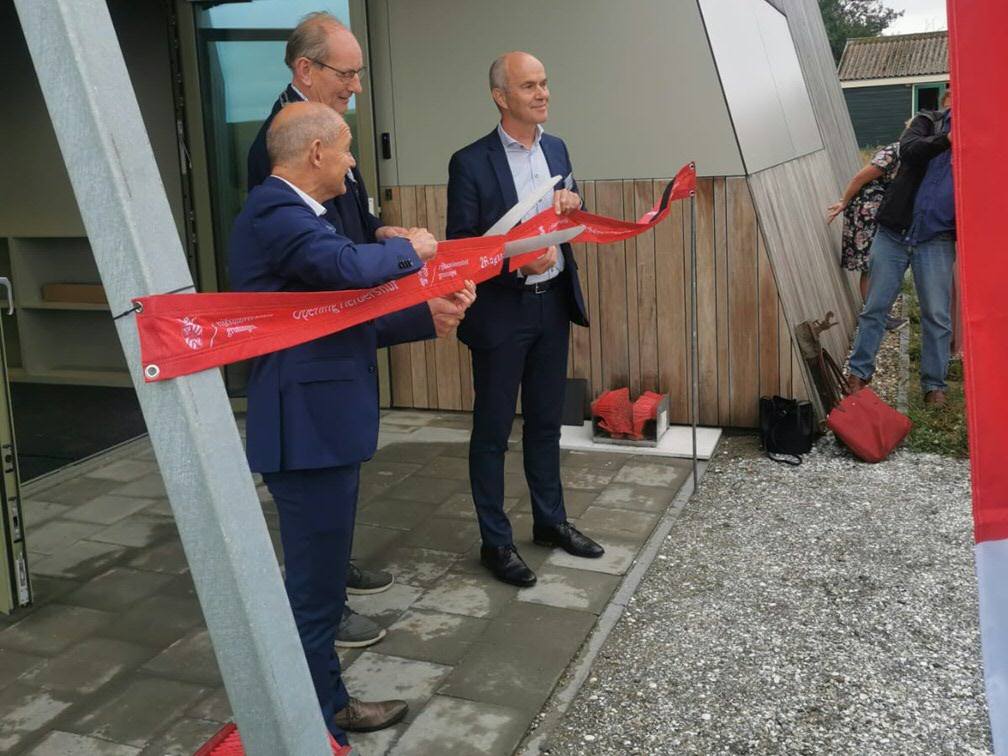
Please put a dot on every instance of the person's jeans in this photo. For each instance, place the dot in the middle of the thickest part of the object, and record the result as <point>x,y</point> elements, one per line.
<point>932,263</point>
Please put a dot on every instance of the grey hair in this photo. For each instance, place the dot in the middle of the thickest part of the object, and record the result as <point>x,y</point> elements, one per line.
<point>288,139</point>
<point>498,73</point>
<point>310,39</point>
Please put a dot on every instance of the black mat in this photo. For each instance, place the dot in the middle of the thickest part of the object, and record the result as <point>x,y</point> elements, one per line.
<point>56,425</point>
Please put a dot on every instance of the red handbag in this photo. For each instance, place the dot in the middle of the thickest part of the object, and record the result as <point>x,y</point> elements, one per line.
<point>869,427</point>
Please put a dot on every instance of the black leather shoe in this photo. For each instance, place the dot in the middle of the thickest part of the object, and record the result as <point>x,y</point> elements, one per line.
<point>506,565</point>
<point>567,537</point>
<point>363,716</point>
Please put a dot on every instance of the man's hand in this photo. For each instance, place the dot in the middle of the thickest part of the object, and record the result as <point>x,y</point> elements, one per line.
<point>541,264</point>
<point>565,202</point>
<point>449,310</point>
<point>423,242</point>
<point>384,233</point>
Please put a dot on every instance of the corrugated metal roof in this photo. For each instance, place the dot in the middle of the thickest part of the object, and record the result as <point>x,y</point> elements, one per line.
<point>899,55</point>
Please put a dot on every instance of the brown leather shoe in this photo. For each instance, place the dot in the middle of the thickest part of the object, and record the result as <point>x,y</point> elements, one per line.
<point>934,398</point>
<point>856,383</point>
<point>364,716</point>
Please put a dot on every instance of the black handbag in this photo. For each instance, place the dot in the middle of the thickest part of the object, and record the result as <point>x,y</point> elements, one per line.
<point>787,427</point>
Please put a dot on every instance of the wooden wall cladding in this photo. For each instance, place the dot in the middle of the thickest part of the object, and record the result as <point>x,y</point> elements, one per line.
<point>638,298</point>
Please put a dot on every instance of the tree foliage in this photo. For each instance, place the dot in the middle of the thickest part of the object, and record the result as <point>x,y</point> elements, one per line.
<point>845,19</point>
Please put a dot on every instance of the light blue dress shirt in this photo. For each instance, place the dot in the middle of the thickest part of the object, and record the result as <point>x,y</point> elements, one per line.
<point>529,169</point>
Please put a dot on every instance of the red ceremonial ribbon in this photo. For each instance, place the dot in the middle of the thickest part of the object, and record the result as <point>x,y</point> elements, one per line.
<point>185,333</point>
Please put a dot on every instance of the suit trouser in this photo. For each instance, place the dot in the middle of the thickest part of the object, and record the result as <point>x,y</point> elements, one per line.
<point>533,357</point>
<point>317,509</point>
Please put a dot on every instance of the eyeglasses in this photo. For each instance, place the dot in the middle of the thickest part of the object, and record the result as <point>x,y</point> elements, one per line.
<point>345,76</point>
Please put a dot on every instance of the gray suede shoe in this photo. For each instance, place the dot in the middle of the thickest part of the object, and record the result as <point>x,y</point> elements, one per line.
<point>362,582</point>
<point>357,631</point>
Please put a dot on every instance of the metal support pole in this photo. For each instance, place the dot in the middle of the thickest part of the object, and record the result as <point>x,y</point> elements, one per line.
<point>694,344</point>
<point>136,245</point>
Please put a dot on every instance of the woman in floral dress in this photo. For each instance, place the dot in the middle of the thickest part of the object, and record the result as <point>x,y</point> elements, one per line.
<point>859,204</point>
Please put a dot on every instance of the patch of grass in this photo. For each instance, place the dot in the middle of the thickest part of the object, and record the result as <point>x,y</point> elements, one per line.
<point>939,430</point>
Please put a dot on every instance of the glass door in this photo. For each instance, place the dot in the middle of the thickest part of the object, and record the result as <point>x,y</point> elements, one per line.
<point>239,54</point>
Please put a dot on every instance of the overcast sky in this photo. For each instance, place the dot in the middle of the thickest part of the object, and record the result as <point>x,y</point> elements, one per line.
<point>918,16</point>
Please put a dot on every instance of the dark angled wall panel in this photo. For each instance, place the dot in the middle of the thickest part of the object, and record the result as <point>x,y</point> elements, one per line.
<point>879,114</point>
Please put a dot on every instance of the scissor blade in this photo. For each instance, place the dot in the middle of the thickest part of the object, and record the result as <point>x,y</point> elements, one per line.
<point>530,243</point>
<point>511,218</point>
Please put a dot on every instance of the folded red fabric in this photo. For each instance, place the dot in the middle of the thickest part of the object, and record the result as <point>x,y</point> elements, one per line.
<point>615,413</point>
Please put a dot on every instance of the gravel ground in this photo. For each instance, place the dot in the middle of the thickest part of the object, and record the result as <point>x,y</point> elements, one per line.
<point>824,609</point>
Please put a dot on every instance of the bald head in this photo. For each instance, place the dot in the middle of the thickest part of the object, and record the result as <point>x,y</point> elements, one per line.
<point>296,128</point>
<point>519,88</point>
<point>500,69</point>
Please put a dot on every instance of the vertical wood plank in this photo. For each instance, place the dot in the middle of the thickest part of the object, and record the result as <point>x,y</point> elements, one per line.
<point>399,355</point>
<point>721,263</point>
<point>707,314</point>
<point>768,325</point>
<point>429,347</point>
<point>647,304</point>
<point>447,378</point>
<point>595,315</point>
<point>743,305</point>
<point>672,330</point>
<point>418,354</point>
<point>632,321</point>
<point>612,294</point>
<point>784,352</point>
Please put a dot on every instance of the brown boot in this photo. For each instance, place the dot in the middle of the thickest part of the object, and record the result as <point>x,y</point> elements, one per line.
<point>934,398</point>
<point>855,383</point>
<point>363,716</point>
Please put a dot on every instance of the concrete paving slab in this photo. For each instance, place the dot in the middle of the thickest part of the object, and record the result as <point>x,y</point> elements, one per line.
<point>387,606</point>
<point>372,543</point>
<point>462,728</point>
<point>427,490</point>
<point>157,621</point>
<point>182,738</point>
<point>24,711</point>
<point>168,558</point>
<point>139,531</point>
<point>586,478</point>
<point>377,743</point>
<point>82,560</point>
<point>458,505</point>
<point>56,535</point>
<point>470,595</point>
<point>517,677</point>
<point>124,470</point>
<point>446,468</point>
<point>190,658</point>
<point>118,589</point>
<point>133,715</point>
<point>214,708</point>
<point>86,667</point>
<point>636,497</point>
<point>58,743</point>
<point>650,474</point>
<point>619,522</point>
<point>13,664</point>
<point>379,471</point>
<point>399,514</point>
<point>619,555</point>
<point>46,589</point>
<point>148,487</point>
<point>417,567</point>
<point>108,508</point>
<point>407,447</point>
<point>78,489</point>
<point>376,677</point>
<point>53,628</point>
<point>432,636</point>
<point>36,511</point>
<point>595,460</point>
<point>571,589</point>
<point>523,624</point>
<point>443,534</point>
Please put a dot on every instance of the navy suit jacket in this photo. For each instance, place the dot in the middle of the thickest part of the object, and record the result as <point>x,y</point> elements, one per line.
<point>480,190</point>
<point>315,405</point>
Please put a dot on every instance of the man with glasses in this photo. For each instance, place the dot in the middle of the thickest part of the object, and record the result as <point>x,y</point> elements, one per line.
<point>326,64</point>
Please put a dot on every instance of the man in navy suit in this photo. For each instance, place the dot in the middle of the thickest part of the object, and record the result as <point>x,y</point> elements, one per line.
<point>313,408</point>
<point>518,329</point>
<point>326,64</point>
